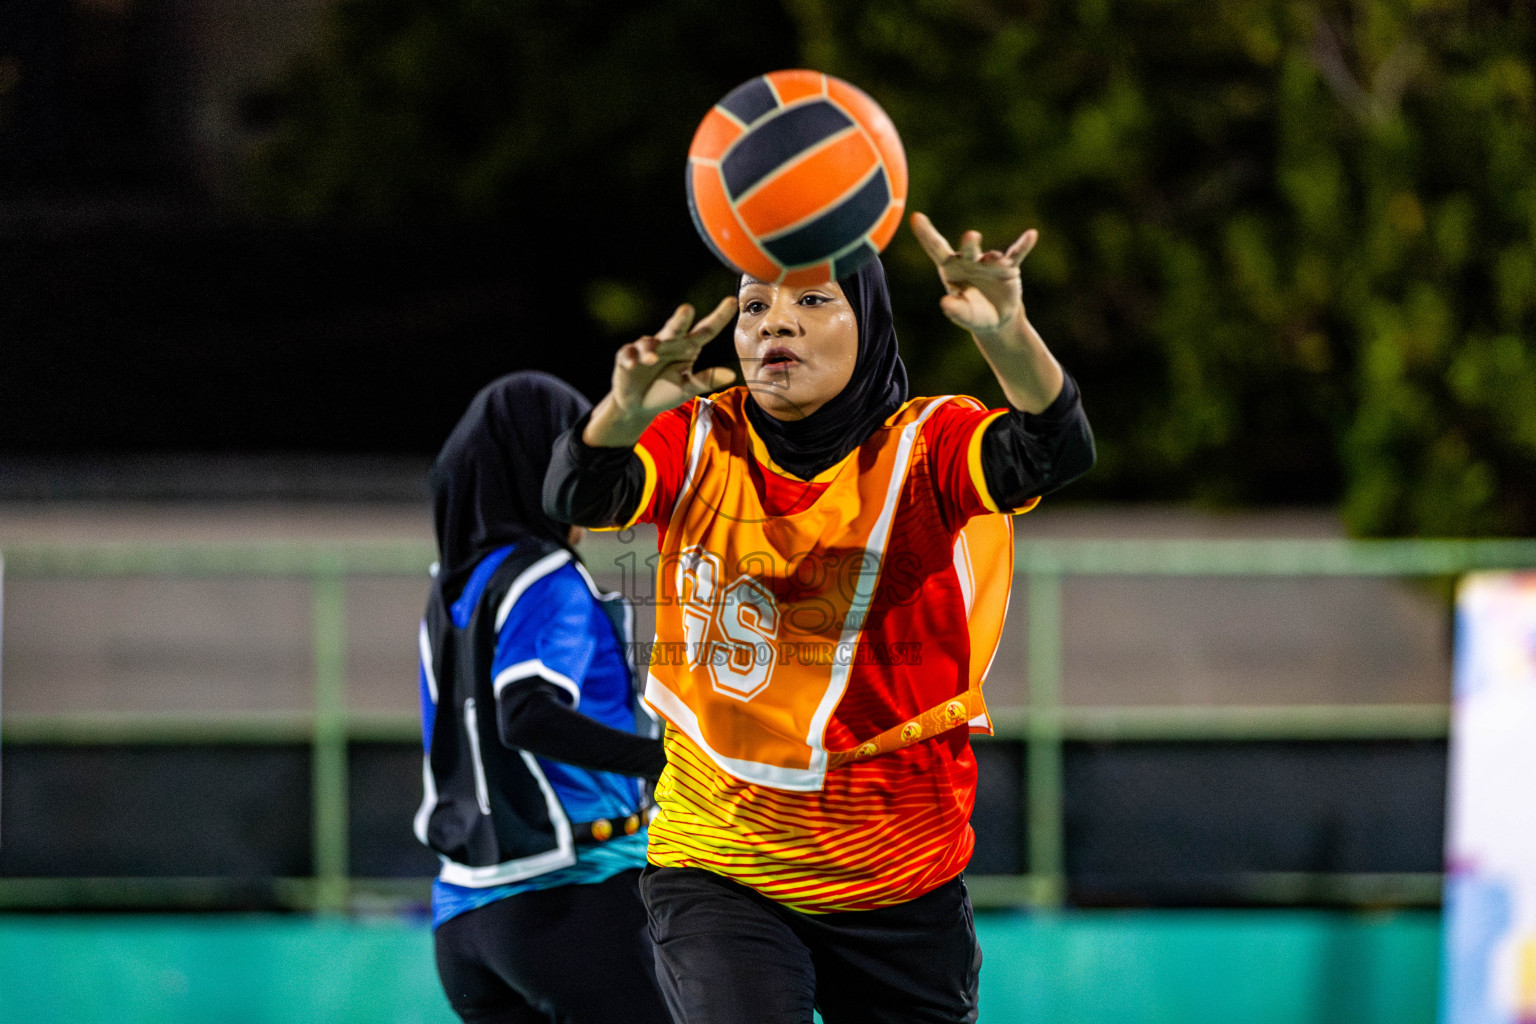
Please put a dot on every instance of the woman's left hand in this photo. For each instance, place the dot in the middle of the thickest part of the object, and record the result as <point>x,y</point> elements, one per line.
<point>984,293</point>
<point>985,297</point>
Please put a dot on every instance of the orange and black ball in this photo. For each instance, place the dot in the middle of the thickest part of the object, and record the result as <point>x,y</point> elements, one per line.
<point>796,176</point>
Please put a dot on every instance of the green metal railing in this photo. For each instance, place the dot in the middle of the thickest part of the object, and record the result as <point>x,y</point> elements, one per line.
<point>328,728</point>
<point>1047,724</point>
<point>1043,725</point>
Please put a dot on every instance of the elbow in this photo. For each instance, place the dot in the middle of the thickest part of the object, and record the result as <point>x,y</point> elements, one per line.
<point>556,496</point>
<point>1072,461</point>
<point>517,730</point>
<point>561,485</point>
<point>577,490</point>
<point>519,713</point>
<point>1082,458</point>
<point>563,505</point>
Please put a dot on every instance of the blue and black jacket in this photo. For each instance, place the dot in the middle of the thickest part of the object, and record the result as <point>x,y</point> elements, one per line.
<point>530,646</point>
<point>533,742</point>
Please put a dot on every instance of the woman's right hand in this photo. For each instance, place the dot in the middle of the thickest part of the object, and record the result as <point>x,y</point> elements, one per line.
<point>655,373</point>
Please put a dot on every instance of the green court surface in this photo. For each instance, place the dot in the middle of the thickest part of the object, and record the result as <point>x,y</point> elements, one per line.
<point>1125,967</point>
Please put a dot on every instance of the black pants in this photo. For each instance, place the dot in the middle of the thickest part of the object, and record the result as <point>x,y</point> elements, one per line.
<point>727,955</point>
<point>577,954</point>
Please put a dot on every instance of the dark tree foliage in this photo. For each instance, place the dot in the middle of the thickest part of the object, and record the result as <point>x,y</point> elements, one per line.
<point>1286,247</point>
<point>564,120</point>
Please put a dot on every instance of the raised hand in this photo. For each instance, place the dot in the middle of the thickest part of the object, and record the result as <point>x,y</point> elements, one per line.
<point>983,289</point>
<point>655,373</point>
<point>983,294</point>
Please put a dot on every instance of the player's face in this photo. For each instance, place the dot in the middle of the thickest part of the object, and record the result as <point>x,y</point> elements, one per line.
<point>797,346</point>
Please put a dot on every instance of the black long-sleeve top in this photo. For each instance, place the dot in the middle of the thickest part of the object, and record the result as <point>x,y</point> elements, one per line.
<point>537,719</point>
<point>1023,455</point>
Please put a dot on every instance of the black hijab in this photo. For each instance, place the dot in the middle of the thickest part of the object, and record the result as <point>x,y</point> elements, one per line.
<point>488,481</point>
<point>877,388</point>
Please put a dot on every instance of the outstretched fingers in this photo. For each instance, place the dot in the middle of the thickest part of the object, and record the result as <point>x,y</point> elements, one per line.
<point>678,323</point>
<point>715,322</point>
<point>934,244</point>
<point>688,344</point>
<point>970,264</point>
<point>649,348</point>
<point>1021,247</point>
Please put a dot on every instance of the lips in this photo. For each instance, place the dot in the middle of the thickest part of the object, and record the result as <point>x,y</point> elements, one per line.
<point>778,358</point>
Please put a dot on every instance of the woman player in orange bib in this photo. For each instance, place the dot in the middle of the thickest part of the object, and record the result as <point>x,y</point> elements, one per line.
<point>834,573</point>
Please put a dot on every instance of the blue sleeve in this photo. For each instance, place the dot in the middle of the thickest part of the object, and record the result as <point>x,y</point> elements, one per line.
<point>547,635</point>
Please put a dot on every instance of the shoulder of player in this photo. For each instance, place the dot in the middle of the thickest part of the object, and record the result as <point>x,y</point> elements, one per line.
<point>941,414</point>
<point>681,414</point>
<point>729,404</point>
<point>726,411</point>
<point>669,430</point>
<point>952,429</point>
<point>544,588</point>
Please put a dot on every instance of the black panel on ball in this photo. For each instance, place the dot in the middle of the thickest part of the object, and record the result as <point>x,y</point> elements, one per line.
<point>834,229</point>
<point>750,100</point>
<point>763,150</point>
<point>851,261</point>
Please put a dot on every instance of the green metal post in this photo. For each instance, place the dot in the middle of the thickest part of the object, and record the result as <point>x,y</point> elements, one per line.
<point>1044,776</point>
<point>329,749</point>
